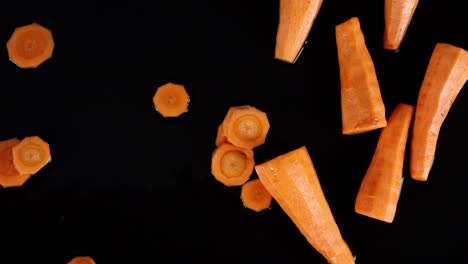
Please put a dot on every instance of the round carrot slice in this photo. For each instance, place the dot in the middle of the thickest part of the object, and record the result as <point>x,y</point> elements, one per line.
<point>82,260</point>
<point>30,155</point>
<point>30,46</point>
<point>220,137</point>
<point>171,100</point>
<point>9,176</point>
<point>246,126</point>
<point>232,165</point>
<point>254,196</point>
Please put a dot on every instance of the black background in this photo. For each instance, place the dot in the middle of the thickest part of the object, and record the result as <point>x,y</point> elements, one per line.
<point>128,186</point>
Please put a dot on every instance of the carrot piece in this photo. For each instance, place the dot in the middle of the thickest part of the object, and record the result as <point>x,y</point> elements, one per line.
<point>380,188</point>
<point>232,165</point>
<point>292,181</point>
<point>9,176</point>
<point>445,76</point>
<point>82,260</point>
<point>31,155</point>
<point>295,21</point>
<point>362,106</point>
<point>254,196</point>
<point>30,46</point>
<point>171,100</point>
<point>220,136</point>
<point>398,15</point>
<point>246,126</point>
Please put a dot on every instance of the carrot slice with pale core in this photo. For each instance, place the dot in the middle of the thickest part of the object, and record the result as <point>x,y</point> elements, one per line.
<point>30,45</point>
<point>171,100</point>
<point>254,196</point>
<point>232,165</point>
<point>9,176</point>
<point>31,155</point>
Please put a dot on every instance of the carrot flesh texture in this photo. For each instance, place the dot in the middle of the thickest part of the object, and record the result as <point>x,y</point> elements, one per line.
<point>362,106</point>
<point>220,137</point>
<point>398,15</point>
<point>31,155</point>
<point>232,165</point>
<point>295,21</point>
<point>292,181</point>
<point>254,196</point>
<point>9,176</point>
<point>82,260</point>
<point>30,45</point>
<point>246,126</point>
<point>445,76</point>
<point>171,100</point>
<point>380,188</point>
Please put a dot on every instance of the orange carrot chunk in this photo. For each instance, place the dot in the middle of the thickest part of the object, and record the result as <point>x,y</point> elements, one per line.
<point>246,126</point>
<point>398,15</point>
<point>295,21</point>
<point>82,260</point>
<point>362,106</point>
<point>380,189</point>
<point>445,76</point>
<point>292,181</point>
<point>31,155</point>
<point>30,46</point>
<point>254,196</point>
<point>9,176</point>
<point>220,137</point>
<point>232,165</point>
<point>171,100</point>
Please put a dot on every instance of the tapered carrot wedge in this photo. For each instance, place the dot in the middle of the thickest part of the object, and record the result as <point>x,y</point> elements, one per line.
<point>445,76</point>
<point>9,176</point>
<point>362,106</point>
<point>292,181</point>
<point>398,14</point>
<point>295,21</point>
<point>380,187</point>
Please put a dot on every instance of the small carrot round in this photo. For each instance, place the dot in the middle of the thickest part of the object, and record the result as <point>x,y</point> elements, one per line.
<point>246,126</point>
<point>232,165</point>
<point>171,100</point>
<point>82,260</point>
<point>220,136</point>
<point>9,176</point>
<point>254,196</point>
<point>30,155</point>
<point>30,45</point>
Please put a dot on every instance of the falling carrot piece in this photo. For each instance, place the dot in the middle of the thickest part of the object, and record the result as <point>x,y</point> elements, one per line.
<point>82,260</point>
<point>445,76</point>
<point>246,126</point>
<point>292,181</point>
<point>380,188</point>
<point>220,137</point>
<point>171,100</point>
<point>398,15</point>
<point>362,106</point>
<point>254,196</point>
<point>295,21</point>
<point>31,155</point>
<point>232,165</point>
<point>30,46</point>
<point>9,176</point>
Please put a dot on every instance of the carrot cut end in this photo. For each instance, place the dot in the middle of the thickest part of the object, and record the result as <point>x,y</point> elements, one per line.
<point>171,100</point>
<point>30,46</point>
<point>232,165</point>
<point>254,196</point>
